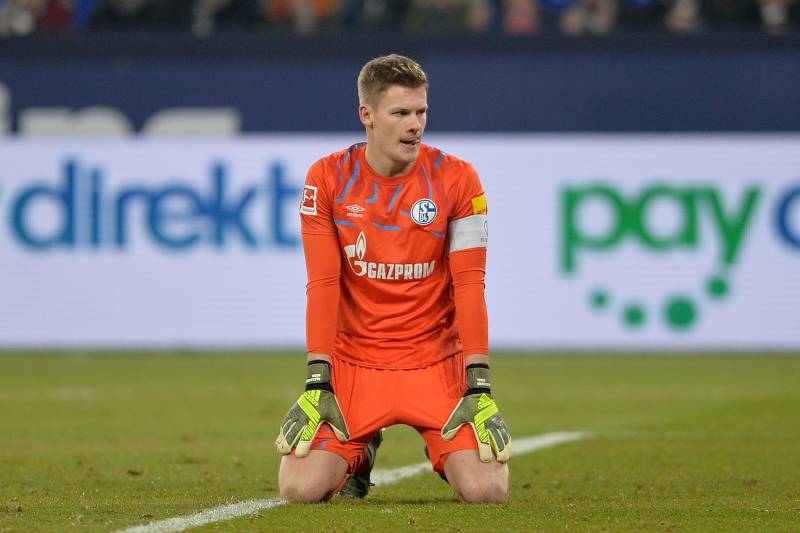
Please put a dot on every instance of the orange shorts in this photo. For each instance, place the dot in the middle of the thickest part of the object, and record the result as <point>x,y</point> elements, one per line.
<point>373,398</point>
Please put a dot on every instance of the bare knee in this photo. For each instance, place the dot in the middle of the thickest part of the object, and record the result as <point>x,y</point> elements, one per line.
<point>475,481</point>
<point>311,479</point>
<point>304,490</point>
<point>483,490</point>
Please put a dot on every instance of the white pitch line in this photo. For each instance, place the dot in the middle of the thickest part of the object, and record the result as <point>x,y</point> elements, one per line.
<point>379,477</point>
<point>217,514</point>
<point>520,446</point>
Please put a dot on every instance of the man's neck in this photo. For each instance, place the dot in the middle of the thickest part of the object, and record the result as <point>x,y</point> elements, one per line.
<point>385,166</point>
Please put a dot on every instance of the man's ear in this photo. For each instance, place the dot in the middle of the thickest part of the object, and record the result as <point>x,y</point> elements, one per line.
<point>365,115</point>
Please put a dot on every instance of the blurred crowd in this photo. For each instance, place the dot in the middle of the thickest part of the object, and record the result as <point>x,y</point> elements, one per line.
<point>305,17</point>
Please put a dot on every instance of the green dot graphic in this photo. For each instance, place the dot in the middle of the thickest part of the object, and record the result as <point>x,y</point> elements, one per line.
<point>633,316</point>
<point>599,299</point>
<point>717,288</point>
<point>680,313</point>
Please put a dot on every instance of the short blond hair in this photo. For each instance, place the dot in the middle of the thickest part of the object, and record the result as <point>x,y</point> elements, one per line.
<point>379,73</point>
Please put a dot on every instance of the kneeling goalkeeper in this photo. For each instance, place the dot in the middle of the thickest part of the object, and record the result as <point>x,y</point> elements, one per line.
<point>395,235</point>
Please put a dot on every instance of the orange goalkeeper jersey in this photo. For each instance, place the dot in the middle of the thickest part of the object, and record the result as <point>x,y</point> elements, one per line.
<point>382,254</point>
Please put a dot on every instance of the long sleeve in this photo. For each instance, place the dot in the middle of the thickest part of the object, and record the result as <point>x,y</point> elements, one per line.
<point>323,261</point>
<point>323,265</point>
<point>468,268</point>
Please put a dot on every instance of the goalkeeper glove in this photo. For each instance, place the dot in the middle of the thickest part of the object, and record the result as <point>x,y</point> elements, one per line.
<point>478,409</point>
<point>316,405</point>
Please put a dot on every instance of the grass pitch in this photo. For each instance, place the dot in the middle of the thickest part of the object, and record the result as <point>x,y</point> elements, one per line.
<point>696,443</point>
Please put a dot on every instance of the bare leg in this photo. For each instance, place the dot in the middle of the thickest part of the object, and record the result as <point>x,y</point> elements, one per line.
<point>310,479</point>
<point>474,481</point>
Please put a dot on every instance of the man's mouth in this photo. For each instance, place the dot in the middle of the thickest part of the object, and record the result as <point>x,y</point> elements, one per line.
<point>410,142</point>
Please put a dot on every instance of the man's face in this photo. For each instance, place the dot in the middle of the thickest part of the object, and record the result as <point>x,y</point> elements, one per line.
<point>396,123</point>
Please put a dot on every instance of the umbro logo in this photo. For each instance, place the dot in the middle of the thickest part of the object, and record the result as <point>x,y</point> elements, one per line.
<point>355,210</point>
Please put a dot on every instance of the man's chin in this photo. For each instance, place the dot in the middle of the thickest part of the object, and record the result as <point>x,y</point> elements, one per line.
<point>409,153</point>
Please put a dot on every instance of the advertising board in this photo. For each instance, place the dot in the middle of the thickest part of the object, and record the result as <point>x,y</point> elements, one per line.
<point>663,242</point>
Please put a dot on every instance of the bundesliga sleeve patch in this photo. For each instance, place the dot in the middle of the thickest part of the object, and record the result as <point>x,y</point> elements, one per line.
<point>479,205</point>
<point>308,206</point>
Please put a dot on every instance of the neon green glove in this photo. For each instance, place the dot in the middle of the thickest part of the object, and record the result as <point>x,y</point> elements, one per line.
<point>316,405</point>
<point>478,409</point>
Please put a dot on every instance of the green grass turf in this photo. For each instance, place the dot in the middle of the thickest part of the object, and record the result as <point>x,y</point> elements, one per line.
<point>697,443</point>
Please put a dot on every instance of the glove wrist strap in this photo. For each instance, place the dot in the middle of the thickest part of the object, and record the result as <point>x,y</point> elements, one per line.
<point>319,376</point>
<point>478,379</point>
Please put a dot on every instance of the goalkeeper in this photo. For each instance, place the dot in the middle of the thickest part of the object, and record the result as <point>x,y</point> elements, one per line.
<point>394,235</point>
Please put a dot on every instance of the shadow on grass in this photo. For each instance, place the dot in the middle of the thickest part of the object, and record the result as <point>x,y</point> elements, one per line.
<point>395,500</point>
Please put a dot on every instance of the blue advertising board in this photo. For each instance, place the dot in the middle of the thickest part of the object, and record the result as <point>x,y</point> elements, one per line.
<point>666,84</point>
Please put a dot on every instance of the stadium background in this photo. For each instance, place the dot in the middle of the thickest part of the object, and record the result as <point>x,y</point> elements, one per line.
<point>641,161</point>
<point>643,183</point>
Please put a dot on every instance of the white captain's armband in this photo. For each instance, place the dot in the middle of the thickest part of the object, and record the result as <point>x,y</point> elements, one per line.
<point>468,232</point>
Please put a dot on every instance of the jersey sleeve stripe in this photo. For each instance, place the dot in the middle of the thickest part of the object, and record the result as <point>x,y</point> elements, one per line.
<point>387,228</point>
<point>394,198</point>
<point>468,232</point>
<point>428,179</point>
<point>349,183</point>
<point>374,194</point>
